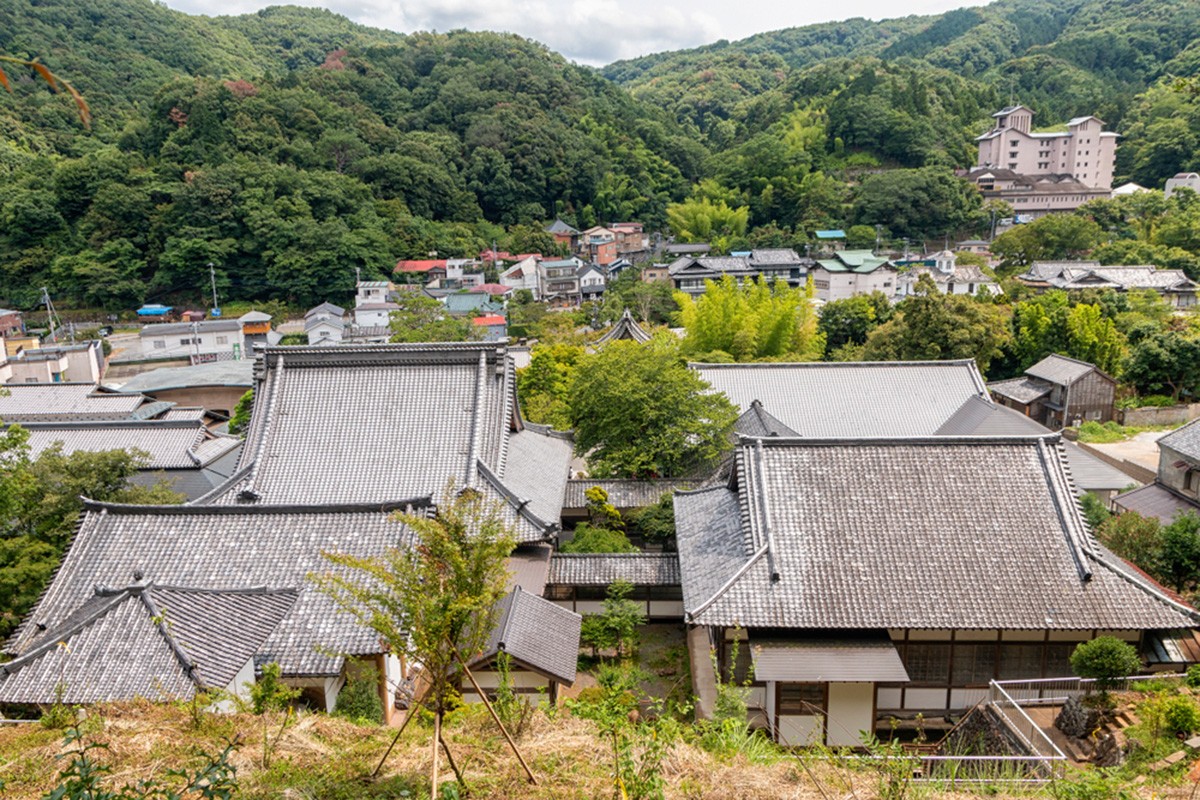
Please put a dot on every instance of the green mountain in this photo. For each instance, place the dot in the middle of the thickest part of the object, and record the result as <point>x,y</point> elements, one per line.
<point>292,146</point>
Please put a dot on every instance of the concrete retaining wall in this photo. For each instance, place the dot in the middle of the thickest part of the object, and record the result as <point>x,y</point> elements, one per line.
<point>1154,415</point>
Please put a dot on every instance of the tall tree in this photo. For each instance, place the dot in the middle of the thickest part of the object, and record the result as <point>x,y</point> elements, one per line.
<point>751,321</point>
<point>421,318</point>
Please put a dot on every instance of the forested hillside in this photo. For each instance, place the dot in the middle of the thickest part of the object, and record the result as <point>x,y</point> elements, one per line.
<point>292,146</point>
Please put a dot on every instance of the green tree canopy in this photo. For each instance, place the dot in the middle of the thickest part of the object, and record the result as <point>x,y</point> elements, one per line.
<point>751,321</point>
<point>421,318</point>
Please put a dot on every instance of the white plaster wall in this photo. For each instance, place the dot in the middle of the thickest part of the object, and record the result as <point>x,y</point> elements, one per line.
<point>851,711</point>
<point>797,731</point>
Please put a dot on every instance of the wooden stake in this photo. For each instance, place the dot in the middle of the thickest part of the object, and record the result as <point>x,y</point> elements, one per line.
<point>495,716</point>
<point>437,737</point>
<point>450,758</point>
<point>412,711</point>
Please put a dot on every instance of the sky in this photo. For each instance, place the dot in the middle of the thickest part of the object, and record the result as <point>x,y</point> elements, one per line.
<point>597,32</point>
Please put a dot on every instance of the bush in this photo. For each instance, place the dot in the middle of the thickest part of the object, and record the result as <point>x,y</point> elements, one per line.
<point>359,699</point>
<point>269,693</point>
<point>589,539</point>
<point>1181,715</point>
<point>1106,660</point>
<point>1192,679</point>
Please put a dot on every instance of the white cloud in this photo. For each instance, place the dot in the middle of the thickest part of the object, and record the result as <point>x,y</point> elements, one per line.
<point>594,32</point>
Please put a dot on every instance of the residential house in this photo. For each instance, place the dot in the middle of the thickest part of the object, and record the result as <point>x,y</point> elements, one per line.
<point>256,332</point>
<point>73,363</point>
<point>1033,196</point>
<point>592,280</point>
<point>219,338</point>
<point>494,327</point>
<point>179,449</point>
<point>689,273</point>
<point>325,324</point>
<point>980,246</point>
<point>470,304</point>
<point>12,323</point>
<point>619,267</point>
<point>822,575</point>
<point>62,402</point>
<point>1130,188</point>
<point>1176,488</point>
<point>1059,391</point>
<point>1182,180</point>
<point>694,249</point>
<point>497,291</point>
<point>523,275</point>
<point>598,245</point>
<point>431,270</point>
<point>632,242</point>
<point>1084,150</point>
<point>374,304</point>
<point>656,273</point>
<point>215,387</point>
<point>948,276</point>
<point>823,400</point>
<point>564,234</point>
<point>1174,286</point>
<point>559,281</point>
<point>830,240</point>
<point>852,272</point>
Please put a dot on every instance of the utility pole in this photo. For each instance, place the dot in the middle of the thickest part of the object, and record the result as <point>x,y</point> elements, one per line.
<point>51,315</point>
<point>212,276</point>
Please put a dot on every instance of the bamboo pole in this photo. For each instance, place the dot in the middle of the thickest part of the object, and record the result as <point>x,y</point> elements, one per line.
<point>437,737</point>
<point>495,716</point>
<point>409,714</point>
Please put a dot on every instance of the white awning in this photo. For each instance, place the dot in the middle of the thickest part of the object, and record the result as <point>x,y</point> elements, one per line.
<point>851,660</point>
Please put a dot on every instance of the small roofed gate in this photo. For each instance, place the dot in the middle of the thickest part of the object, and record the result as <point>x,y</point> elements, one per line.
<point>822,690</point>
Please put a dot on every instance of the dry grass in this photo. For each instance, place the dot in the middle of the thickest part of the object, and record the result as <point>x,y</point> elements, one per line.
<point>325,758</point>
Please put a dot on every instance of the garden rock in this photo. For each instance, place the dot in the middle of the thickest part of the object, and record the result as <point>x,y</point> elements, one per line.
<point>1076,719</point>
<point>1108,752</point>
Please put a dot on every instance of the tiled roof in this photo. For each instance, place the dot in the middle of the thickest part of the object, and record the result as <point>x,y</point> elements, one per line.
<point>851,399</point>
<point>1060,369</point>
<point>325,308</point>
<point>1157,501</point>
<point>1184,440</point>
<point>170,444</point>
<point>862,261</point>
<point>538,633</point>
<point>851,534</point>
<point>227,548</point>
<point>779,255</point>
<point>363,424</point>
<point>755,421</point>
<point>978,417</point>
<point>1086,274</point>
<point>622,493</point>
<point>146,641</point>
<point>34,402</point>
<point>602,569</point>
<point>204,326</point>
<point>1024,389</point>
<point>558,226</point>
<point>625,328</point>
<point>217,373</point>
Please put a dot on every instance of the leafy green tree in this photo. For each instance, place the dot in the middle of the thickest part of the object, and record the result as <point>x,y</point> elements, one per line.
<point>545,384</point>
<point>655,523</point>
<point>239,423</point>
<point>617,626</point>
<point>421,318</point>
<point>1106,660</point>
<point>1134,537</point>
<point>1053,237</point>
<point>932,325</point>
<point>751,321</point>
<point>436,599</point>
<point>1094,338</point>
<point>925,202</point>
<point>706,221</point>
<point>638,411</point>
<point>851,320</point>
<point>1164,362</point>
<point>1181,552</point>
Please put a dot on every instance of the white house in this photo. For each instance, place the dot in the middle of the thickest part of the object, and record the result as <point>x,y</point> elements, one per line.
<point>523,275</point>
<point>325,324</point>
<point>949,278</point>
<point>592,281</point>
<point>216,337</point>
<point>373,306</point>
<point>852,272</point>
<point>73,363</point>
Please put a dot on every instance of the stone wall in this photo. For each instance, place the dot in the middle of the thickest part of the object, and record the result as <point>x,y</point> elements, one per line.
<point>1158,415</point>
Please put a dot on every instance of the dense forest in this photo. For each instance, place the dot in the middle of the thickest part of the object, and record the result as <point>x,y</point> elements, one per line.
<point>292,147</point>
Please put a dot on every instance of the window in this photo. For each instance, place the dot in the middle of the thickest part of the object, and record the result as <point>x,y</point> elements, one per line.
<point>801,698</point>
<point>1058,659</point>
<point>159,344</point>
<point>927,662</point>
<point>974,663</point>
<point>185,341</point>
<point>1020,661</point>
<point>225,339</point>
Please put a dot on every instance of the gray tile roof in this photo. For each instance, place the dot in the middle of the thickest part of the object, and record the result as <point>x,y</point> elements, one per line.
<point>1060,369</point>
<point>1157,501</point>
<point>325,308</point>
<point>978,417</point>
<point>851,399</point>
<point>528,567</point>
<point>539,634</point>
<point>146,641</point>
<point>170,444</point>
<point>622,493</point>
<point>852,534</point>
<point>625,328</point>
<point>1024,389</point>
<point>1184,440</point>
<point>602,569</point>
<point>33,402</point>
<point>228,548</point>
<point>779,255</point>
<point>218,373</point>
<point>363,424</point>
<point>867,658</point>
<point>204,326</point>
<point>755,421</point>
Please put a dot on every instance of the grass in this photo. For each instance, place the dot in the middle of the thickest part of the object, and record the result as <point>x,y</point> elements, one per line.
<point>1110,432</point>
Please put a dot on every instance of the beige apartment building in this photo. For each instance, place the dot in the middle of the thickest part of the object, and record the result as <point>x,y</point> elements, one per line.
<point>1085,150</point>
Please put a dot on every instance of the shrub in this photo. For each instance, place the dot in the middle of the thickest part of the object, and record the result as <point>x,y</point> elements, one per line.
<point>1106,660</point>
<point>1192,679</point>
<point>588,539</point>
<point>359,699</point>
<point>269,693</point>
<point>1181,715</point>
